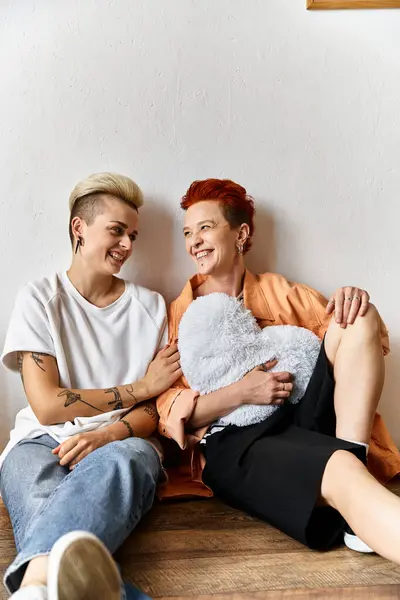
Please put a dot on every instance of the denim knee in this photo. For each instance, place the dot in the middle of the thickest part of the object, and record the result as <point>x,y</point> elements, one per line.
<point>133,458</point>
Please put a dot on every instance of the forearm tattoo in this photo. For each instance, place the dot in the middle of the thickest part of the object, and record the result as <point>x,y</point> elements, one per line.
<point>128,426</point>
<point>36,356</point>
<point>129,389</point>
<point>72,397</point>
<point>151,410</point>
<point>117,401</point>
<point>20,360</point>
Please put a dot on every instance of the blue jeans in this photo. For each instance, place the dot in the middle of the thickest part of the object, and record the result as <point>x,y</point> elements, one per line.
<point>107,493</point>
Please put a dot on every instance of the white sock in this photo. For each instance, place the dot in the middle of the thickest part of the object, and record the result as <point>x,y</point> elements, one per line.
<point>366,446</point>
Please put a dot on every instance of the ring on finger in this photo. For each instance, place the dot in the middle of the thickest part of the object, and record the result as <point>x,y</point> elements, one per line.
<point>356,298</point>
<point>350,299</point>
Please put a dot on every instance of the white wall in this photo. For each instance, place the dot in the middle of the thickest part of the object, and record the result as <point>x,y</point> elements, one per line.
<point>301,107</point>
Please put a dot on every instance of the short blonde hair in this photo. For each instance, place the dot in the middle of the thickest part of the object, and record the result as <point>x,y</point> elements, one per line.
<point>86,199</point>
<point>116,185</point>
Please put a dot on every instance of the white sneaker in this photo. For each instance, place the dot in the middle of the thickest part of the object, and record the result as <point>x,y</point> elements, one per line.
<point>353,542</point>
<point>31,592</point>
<point>81,568</point>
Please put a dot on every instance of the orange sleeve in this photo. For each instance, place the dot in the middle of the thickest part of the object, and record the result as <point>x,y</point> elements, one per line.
<point>176,405</point>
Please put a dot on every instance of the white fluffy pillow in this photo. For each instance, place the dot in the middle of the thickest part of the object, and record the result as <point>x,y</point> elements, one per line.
<point>220,341</point>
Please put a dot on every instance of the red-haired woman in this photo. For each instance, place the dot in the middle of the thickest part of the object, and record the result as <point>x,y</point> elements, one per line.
<point>302,470</point>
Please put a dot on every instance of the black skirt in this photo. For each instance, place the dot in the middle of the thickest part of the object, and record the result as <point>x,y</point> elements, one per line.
<point>273,470</point>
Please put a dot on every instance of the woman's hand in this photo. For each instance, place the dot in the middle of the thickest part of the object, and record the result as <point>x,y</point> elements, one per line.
<point>163,371</point>
<point>78,446</point>
<point>348,303</point>
<point>262,387</point>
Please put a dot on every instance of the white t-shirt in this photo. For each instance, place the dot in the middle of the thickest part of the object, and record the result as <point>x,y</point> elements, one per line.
<point>95,348</point>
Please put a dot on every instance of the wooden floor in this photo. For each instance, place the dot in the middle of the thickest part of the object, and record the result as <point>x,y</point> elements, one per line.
<point>203,549</point>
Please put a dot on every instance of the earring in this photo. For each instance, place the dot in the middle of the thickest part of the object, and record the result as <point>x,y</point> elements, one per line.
<point>240,249</point>
<point>78,243</point>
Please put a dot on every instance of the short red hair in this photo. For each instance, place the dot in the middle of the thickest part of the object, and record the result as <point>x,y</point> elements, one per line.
<point>237,206</point>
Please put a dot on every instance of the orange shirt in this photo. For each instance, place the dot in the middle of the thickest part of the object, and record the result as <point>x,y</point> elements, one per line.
<point>273,301</point>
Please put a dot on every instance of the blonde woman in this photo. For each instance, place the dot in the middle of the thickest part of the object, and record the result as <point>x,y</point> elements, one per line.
<point>78,473</point>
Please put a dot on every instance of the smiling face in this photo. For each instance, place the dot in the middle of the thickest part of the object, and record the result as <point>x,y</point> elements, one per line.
<point>210,240</point>
<point>107,241</point>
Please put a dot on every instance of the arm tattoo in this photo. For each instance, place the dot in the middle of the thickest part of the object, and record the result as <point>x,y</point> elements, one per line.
<point>130,392</point>
<point>151,410</point>
<point>117,402</point>
<point>74,397</point>
<point>38,361</point>
<point>20,360</point>
<point>128,426</point>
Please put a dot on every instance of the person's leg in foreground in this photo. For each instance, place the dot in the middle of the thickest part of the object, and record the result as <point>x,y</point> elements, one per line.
<point>104,496</point>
